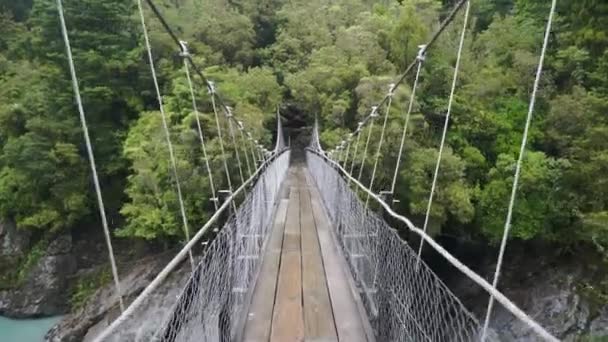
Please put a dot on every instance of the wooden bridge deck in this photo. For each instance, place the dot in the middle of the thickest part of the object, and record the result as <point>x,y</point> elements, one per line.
<point>303,291</point>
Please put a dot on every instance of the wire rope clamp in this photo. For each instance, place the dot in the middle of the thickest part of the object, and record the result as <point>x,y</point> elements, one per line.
<point>374,113</point>
<point>184,53</point>
<point>391,90</point>
<point>421,53</point>
<point>211,87</point>
<point>359,125</point>
<point>240,124</point>
<point>228,112</point>
<point>249,137</point>
<point>350,137</point>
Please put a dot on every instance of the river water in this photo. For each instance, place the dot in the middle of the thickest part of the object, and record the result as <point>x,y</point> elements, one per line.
<point>25,330</point>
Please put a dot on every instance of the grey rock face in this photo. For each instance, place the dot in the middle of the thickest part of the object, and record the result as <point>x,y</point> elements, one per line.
<point>45,290</point>
<point>13,242</point>
<point>102,308</point>
<point>548,289</point>
<point>599,325</point>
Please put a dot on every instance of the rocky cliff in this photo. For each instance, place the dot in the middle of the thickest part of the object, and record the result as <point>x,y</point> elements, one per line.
<point>564,292</point>
<point>41,291</point>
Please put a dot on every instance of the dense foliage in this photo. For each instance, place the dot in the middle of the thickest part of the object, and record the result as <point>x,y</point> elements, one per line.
<point>332,59</point>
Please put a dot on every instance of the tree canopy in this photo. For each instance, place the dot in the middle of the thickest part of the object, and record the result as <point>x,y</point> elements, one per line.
<point>333,60</point>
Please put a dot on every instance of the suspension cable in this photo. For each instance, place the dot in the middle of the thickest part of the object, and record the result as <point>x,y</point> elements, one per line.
<point>197,115</point>
<point>391,91</point>
<point>444,24</point>
<point>445,126</point>
<point>228,114</point>
<point>350,136</point>
<point>87,139</point>
<point>358,132</point>
<point>252,149</point>
<point>407,120</point>
<point>207,82</point>
<point>240,129</point>
<point>165,128</point>
<point>522,151</point>
<point>369,135</point>
<point>211,90</point>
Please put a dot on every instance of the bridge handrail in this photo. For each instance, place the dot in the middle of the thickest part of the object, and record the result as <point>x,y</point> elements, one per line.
<point>501,298</point>
<point>179,257</point>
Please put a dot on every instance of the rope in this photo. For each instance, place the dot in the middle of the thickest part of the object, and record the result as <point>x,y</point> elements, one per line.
<point>228,114</point>
<point>352,165</point>
<point>347,150</point>
<point>522,150</point>
<point>240,127</point>
<point>87,139</point>
<point>407,120</point>
<point>165,128</point>
<point>446,124</point>
<point>197,114</point>
<point>219,135</point>
<point>388,109</point>
<point>252,150</point>
<point>369,135</point>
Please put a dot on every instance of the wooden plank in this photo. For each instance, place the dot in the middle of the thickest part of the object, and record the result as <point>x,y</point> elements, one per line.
<point>350,325</point>
<point>259,319</point>
<point>288,320</point>
<point>318,316</point>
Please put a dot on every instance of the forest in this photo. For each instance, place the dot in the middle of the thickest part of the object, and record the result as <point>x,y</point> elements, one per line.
<point>331,60</point>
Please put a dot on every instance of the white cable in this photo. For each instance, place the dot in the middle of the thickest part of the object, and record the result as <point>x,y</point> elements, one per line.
<point>219,135</point>
<point>200,133</point>
<point>236,147</point>
<point>245,149</point>
<point>352,164</point>
<point>369,135</point>
<point>405,125</point>
<point>522,150</point>
<point>347,151</point>
<point>87,139</point>
<point>165,127</point>
<point>252,150</point>
<point>379,150</point>
<point>446,125</point>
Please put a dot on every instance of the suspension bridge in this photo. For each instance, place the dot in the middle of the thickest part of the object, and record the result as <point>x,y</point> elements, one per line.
<point>304,250</point>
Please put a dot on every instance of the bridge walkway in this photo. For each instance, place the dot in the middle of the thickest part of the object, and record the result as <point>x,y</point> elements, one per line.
<point>303,292</point>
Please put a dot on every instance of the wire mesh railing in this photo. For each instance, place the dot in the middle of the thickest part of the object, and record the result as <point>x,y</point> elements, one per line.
<point>403,299</point>
<point>209,302</point>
